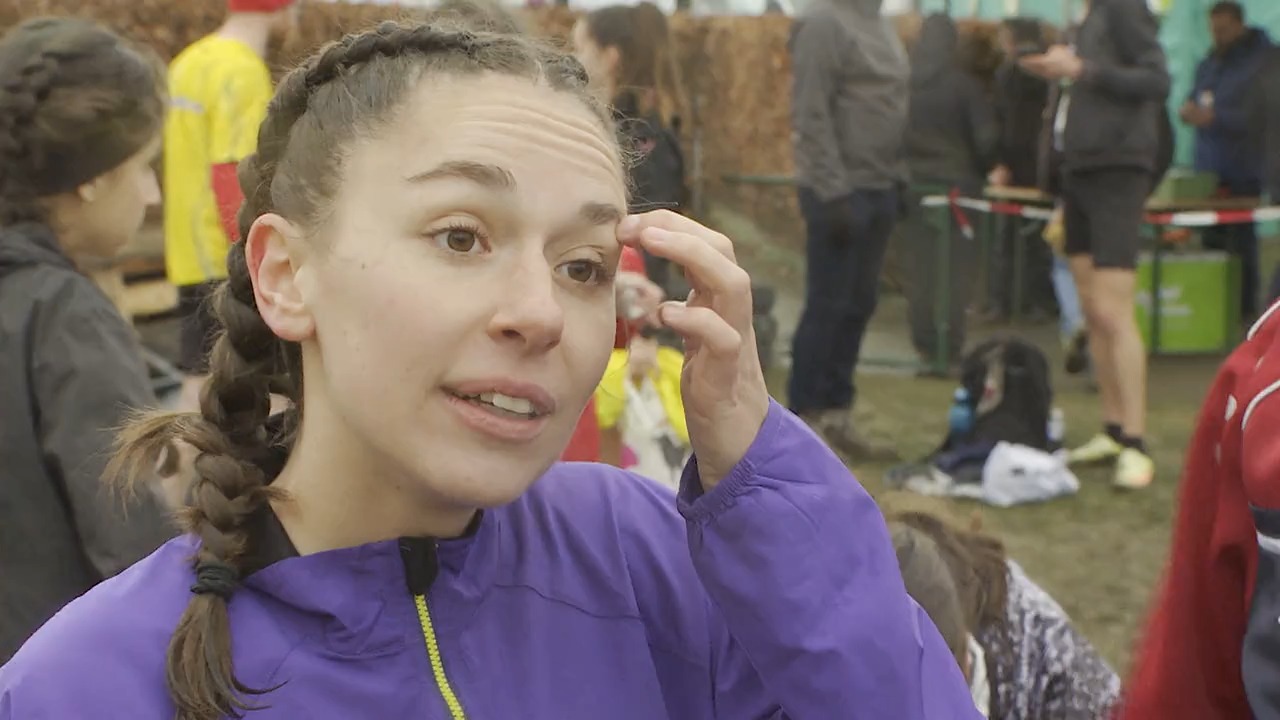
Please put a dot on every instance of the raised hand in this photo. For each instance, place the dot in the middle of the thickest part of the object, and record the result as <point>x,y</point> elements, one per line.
<point>725,397</point>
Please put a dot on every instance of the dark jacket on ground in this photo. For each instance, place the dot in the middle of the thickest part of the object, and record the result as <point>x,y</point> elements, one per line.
<point>1113,113</point>
<point>848,100</point>
<point>70,370</point>
<point>951,131</point>
<point>1223,147</point>
<point>1265,121</point>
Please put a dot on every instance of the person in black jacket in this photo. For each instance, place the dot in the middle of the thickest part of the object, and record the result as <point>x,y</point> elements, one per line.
<point>1108,127</point>
<point>626,50</point>
<point>1020,99</point>
<point>80,118</point>
<point>950,144</point>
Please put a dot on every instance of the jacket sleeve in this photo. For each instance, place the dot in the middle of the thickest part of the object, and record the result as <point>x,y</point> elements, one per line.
<point>87,377</point>
<point>1188,662</point>
<point>1143,72</point>
<point>798,565</point>
<point>815,68</point>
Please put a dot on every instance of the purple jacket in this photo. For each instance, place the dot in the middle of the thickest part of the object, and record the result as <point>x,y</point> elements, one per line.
<point>777,596</point>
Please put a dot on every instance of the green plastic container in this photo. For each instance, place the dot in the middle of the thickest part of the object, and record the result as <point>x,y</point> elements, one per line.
<point>1181,185</point>
<point>1200,301</point>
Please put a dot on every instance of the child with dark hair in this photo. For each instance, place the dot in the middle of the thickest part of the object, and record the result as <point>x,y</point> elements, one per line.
<point>80,117</point>
<point>432,223</point>
<point>1019,650</point>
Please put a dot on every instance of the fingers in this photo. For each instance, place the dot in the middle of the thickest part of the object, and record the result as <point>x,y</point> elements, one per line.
<point>631,229</point>
<point>705,266</point>
<point>702,326</point>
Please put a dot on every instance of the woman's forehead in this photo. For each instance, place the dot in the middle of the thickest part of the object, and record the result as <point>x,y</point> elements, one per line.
<point>531,133</point>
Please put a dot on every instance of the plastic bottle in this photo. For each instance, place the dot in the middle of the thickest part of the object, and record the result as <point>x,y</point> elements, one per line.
<point>1057,429</point>
<point>960,419</point>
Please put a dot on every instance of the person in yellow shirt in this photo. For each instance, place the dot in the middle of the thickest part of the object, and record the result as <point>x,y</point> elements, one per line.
<point>640,410</point>
<point>219,88</point>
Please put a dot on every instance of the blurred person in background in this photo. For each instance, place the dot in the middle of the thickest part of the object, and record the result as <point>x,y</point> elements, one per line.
<point>1020,99</point>
<point>80,118</point>
<point>1218,108</point>
<point>627,53</point>
<point>1110,127</point>
<point>219,88</point>
<point>849,111</point>
<point>951,145</point>
<point>1016,645</point>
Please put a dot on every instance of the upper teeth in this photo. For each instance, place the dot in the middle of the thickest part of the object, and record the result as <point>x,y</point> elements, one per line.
<point>508,403</point>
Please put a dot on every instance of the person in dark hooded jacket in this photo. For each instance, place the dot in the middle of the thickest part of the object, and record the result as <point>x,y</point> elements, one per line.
<point>1218,108</point>
<point>951,143</point>
<point>80,115</point>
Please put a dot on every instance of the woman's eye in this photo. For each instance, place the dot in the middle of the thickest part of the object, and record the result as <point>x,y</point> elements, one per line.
<point>587,272</point>
<point>459,240</point>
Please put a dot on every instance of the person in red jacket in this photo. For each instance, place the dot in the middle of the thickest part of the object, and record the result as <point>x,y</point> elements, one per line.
<point>634,291</point>
<point>1211,650</point>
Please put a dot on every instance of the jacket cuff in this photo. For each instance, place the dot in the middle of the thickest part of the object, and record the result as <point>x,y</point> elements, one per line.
<point>696,505</point>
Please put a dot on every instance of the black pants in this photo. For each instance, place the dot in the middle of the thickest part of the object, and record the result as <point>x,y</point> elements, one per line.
<point>942,264</point>
<point>1242,242</point>
<point>1037,256</point>
<point>842,283</point>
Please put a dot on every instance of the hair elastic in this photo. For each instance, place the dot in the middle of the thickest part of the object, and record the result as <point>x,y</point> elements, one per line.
<point>216,578</point>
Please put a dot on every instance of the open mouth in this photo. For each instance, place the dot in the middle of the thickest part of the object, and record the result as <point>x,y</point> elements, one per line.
<point>504,405</point>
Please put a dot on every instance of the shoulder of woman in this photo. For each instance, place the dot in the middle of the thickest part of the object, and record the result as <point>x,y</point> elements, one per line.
<point>107,648</point>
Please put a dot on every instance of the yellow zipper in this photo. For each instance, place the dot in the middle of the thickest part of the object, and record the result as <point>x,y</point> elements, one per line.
<point>437,663</point>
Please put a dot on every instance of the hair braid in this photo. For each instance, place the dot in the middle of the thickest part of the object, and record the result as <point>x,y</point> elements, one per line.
<point>20,97</point>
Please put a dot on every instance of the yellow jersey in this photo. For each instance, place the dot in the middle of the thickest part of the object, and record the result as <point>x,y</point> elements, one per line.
<point>611,394</point>
<point>219,90</point>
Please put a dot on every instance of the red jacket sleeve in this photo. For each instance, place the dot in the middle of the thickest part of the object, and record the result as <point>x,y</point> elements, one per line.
<point>227,195</point>
<point>1187,665</point>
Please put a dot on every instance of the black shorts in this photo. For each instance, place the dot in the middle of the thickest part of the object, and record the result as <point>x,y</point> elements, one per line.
<point>1102,215</point>
<point>199,327</point>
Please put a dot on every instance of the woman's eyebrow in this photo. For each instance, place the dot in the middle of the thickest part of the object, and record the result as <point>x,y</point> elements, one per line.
<point>498,178</point>
<point>598,213</point>
<point>484,174</point>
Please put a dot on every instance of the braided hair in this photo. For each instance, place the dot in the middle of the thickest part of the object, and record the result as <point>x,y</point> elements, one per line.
<point>76,101</point>
<point>345,90</point>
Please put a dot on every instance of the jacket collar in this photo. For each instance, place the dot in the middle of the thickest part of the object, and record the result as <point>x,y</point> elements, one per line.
<point>31,243</point>
<point>352,592</point>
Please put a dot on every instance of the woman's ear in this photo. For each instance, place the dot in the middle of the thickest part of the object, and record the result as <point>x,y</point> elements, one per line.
<point>268,253</point>
<point>88,192</point>
<point>612,59</point>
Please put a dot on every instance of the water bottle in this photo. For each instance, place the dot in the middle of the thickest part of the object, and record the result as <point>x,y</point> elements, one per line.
<point>1057,429</point>
<point>960,418</point>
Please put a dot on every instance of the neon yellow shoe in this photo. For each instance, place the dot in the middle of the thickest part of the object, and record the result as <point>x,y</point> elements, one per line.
<point>1134,470</point>
<point>1101,448</point>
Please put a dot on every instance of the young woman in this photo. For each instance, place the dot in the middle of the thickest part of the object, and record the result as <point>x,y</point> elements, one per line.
<point>430,228</point>
<point>626,55</point>
<point>1016,645</point>
<point>80,115</point>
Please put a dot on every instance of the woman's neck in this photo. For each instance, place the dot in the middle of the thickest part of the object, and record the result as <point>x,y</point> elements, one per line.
<point>338,494</point>
<point>252,30</point>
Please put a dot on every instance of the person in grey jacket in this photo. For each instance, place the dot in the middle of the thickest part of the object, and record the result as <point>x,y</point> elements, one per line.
<point>80,116</point>
<point>848,114</point>
<point>951,144</point>
<point>1108,128</point>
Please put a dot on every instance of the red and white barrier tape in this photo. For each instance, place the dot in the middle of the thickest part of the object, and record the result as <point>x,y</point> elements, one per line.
<point>1191,218</point>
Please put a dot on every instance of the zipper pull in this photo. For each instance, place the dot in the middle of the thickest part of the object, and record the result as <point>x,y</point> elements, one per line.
<point>421,564</point>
